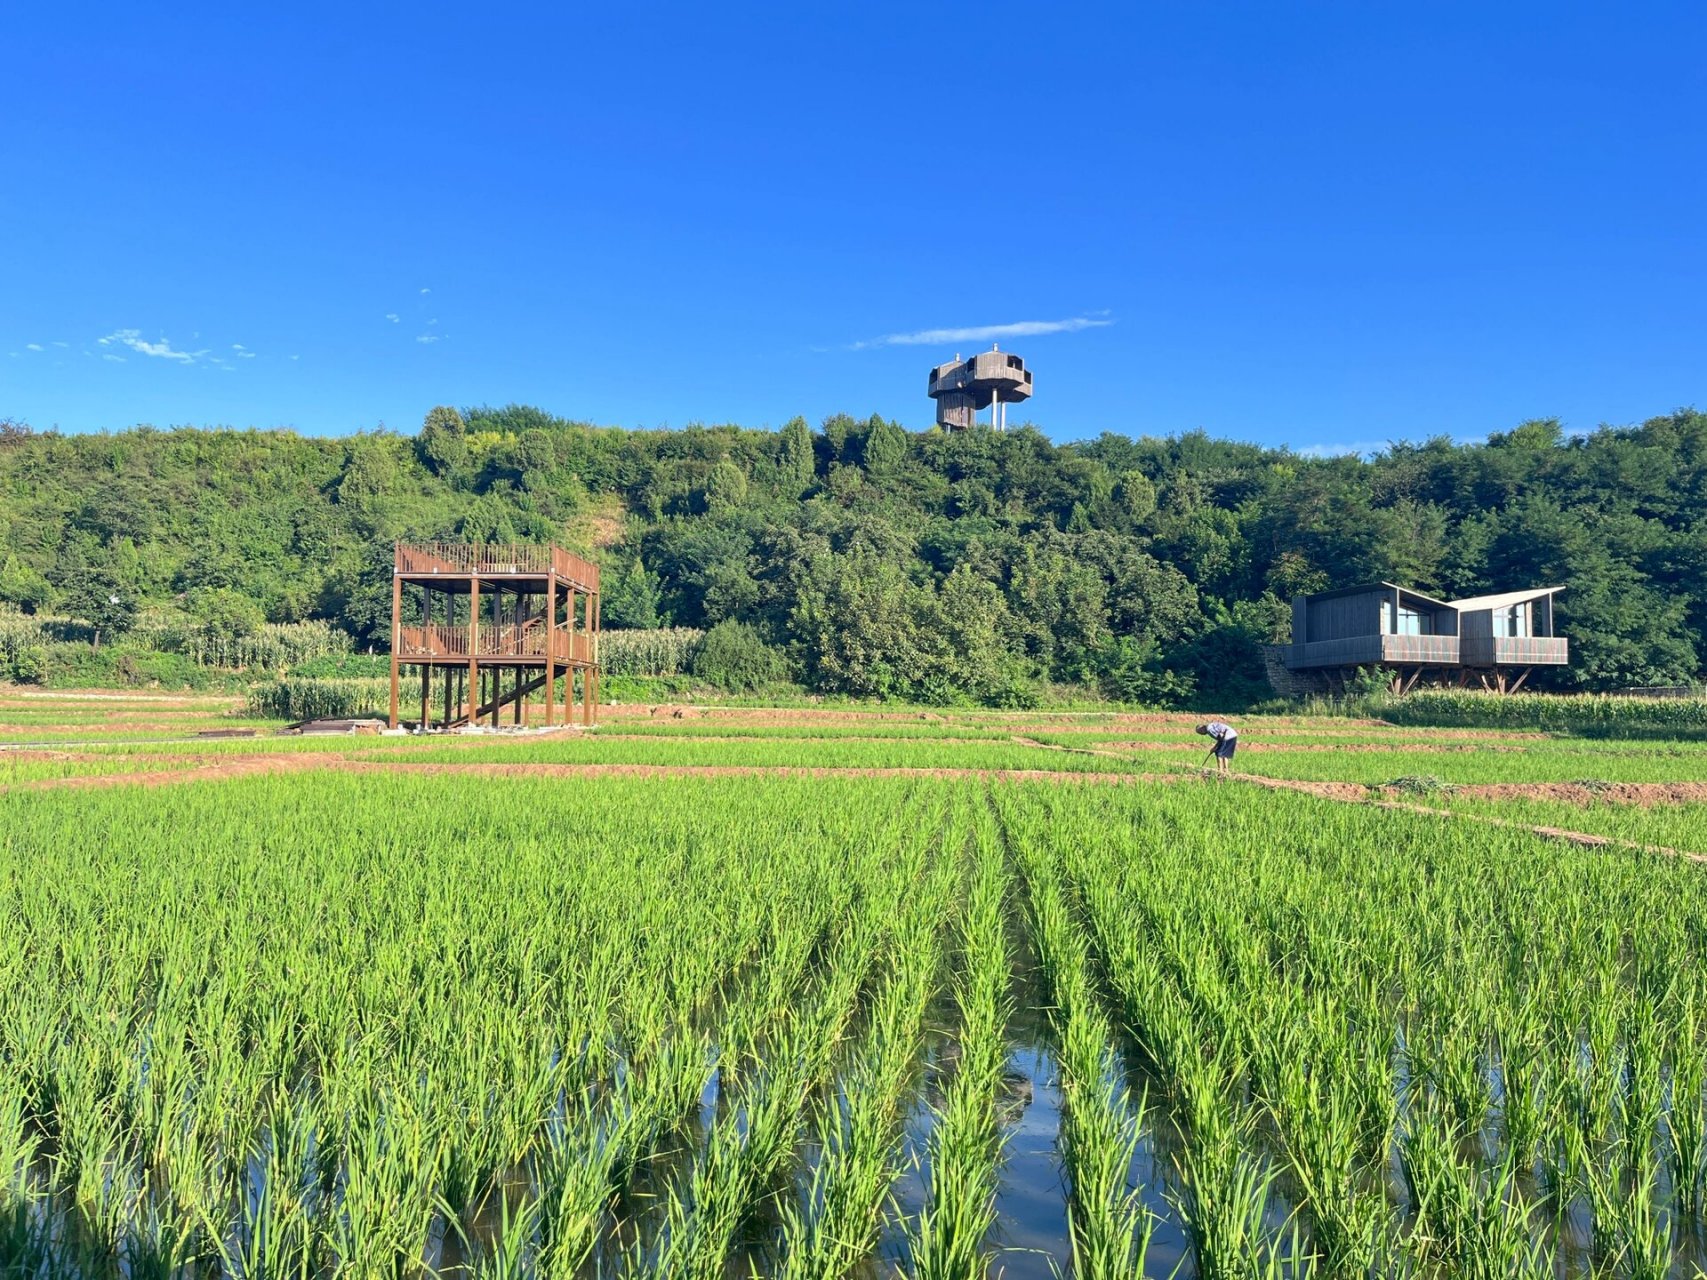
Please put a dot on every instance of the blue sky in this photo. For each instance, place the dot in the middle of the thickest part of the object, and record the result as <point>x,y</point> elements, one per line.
<point>1325,225</point>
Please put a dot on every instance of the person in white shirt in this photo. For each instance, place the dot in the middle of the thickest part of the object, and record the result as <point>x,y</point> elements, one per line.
<point>1226,743</point>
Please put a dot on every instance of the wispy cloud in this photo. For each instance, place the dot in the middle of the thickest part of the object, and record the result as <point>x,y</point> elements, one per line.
<point>162,350</point>
<point>391,316</point>
<point>425,292</point>
<point>1356,449</point>
<point>429,337</point>
<point>108,355</point>
<point>984,332</point>
<point>32,346</point>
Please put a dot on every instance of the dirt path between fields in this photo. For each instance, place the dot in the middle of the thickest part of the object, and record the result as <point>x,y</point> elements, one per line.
<point>1355,793</point>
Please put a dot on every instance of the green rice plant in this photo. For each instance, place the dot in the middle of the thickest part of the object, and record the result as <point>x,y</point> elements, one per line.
<point>1686,1118</point>
<point>1109,1226</point>
<point>746,1149</point>
<point>1472,1221</point>
<point>837,1226</point>
<point>948,1240</point>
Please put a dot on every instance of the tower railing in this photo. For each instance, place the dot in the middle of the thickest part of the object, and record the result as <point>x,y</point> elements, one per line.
<point>497,559</point>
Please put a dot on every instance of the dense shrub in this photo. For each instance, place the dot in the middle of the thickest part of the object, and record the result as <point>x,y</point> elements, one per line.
<point>735,657</point>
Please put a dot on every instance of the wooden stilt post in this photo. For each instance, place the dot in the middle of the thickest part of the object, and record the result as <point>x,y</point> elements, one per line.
<point>551,648</point>
<point>396,624</point>
<point>1520,680</point>
<point>473,650</point>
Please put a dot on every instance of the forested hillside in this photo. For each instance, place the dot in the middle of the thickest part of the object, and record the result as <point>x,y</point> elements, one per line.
<point>874,561</point>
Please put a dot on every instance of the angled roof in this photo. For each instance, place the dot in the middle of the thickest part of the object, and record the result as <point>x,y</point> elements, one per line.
<point>1365,588</point>
<point>1503,599</point>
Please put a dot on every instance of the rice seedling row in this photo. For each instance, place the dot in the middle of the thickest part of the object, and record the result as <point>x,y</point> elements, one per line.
<point>326,1024</point>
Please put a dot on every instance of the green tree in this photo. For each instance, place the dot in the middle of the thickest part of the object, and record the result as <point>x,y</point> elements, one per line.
<point>23,585</point>
<point>443,442</point>
<point>794,461</point>
<point>630,598</point>
<point>94,595</point>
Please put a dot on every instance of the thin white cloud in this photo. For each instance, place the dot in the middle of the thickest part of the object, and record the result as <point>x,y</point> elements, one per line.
<point>1356,449</point>
<point>238,346</point>
<point>984,332</point>
<point>162,350</point>
<point>296,357</point>
<point>108,355</point>
<point>32,346</point>
<point>428,337</point>
<point>424,292</point>
<point>391,316</point>
<point>62,344</point>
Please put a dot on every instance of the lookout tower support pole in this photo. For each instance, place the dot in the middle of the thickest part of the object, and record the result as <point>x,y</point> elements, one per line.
<point>473,649</point>
<point>396,629</point>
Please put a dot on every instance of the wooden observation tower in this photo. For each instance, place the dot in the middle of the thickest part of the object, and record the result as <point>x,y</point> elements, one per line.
<point>500,623</point>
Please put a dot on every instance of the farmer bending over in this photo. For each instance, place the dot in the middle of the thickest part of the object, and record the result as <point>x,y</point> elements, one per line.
<point>1226,743</point>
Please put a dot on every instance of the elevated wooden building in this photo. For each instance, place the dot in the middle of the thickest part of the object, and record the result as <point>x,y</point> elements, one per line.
<point>989,380</point>
<point>496,624</point>
<point>1496,640</point>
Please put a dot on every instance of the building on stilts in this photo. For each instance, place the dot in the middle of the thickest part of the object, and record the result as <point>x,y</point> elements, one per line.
<point>497,628</point>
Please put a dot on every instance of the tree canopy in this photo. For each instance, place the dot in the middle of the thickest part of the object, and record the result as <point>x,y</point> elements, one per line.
<point>876,561</point>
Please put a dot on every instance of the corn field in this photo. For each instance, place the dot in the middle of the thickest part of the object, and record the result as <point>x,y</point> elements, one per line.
<point>275,646</point>
<point>404,1023</point>
<point>1603,713</point>
<point>664,651</point>
<point>306,697</point>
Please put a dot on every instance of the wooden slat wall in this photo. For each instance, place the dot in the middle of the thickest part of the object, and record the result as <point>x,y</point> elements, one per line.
<point>1344,617</point>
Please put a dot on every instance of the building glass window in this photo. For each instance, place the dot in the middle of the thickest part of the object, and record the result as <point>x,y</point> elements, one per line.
<point>1411,622</point>
<point>1512,622</point>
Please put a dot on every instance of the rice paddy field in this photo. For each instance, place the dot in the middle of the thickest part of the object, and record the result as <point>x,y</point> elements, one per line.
<point>714,993</point>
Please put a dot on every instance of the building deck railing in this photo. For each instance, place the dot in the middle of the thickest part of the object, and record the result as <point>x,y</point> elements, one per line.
<point>1428,651</point>
<point>439,640</point>
<point>1516,651</point>
<point>496,559</point>
<point>1374,649</point>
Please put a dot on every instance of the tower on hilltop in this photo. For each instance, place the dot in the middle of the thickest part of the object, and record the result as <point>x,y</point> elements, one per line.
<point>991,379</point>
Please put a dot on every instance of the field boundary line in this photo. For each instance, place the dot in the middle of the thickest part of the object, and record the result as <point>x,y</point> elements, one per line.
<point>1584,839</point>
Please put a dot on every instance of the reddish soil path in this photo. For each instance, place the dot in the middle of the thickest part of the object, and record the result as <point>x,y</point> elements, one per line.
<point>1354,793</point>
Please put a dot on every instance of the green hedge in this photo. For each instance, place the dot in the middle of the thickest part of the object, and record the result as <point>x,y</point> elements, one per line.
<point>1598,714</point>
